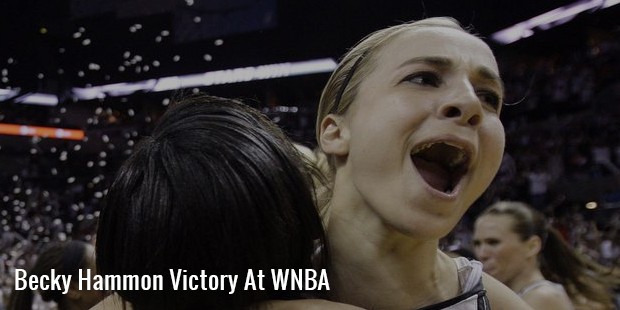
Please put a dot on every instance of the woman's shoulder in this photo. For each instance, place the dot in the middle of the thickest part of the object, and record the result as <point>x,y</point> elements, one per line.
<point>500,296</point>
<point>548,296</point>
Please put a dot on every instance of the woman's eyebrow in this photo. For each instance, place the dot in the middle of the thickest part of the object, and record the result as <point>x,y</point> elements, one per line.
<point>488,75</point>
<point>435,61</point>
<point>444,63</point>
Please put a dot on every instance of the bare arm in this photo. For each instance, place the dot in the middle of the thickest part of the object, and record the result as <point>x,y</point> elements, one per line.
<point>548,298</point>
<point>114,302</point>
<point>500,296</point>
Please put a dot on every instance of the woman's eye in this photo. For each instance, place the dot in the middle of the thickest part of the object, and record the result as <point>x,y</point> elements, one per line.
<point>490,98</point>
<point>493,242</point>
<point>424,78</point>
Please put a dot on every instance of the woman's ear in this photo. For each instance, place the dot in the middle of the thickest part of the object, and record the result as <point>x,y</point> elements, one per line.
<point>534,246</point>
<point>334,137</point>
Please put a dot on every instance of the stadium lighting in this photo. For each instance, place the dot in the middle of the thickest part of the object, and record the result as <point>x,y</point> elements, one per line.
<point>244,74</point>
<point>112,90</point>
<point>549,20</point>
<point>8,93</point>
<point>38,98</point>
<point>38,131</point>
<point>591,205</point>
<point>609,3</point>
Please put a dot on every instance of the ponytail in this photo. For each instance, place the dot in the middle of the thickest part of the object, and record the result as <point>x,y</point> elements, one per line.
<point>585,281</point>
<point>579,274</point>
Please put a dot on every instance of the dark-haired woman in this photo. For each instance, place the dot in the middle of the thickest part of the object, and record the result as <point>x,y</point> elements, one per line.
<point>65,258</point>
<point>518,247</point>
<point>217,189</point>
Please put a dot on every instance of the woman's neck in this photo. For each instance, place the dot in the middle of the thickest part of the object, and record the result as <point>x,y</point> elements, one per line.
<point>526,277</point>
<point>377,267</point>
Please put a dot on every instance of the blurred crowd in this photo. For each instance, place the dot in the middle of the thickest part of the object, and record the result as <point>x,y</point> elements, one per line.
<point>563,147</point>
<point>562,156</point>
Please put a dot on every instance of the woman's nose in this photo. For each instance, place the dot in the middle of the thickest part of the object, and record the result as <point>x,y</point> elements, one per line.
<point>464,107</point>
<point>481,253</point>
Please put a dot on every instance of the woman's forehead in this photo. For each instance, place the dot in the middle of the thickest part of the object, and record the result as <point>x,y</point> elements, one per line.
<point>500,220</point>
<point>435,41</point>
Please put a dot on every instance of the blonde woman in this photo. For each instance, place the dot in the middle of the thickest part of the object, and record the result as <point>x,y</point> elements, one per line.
<point>409,122</point>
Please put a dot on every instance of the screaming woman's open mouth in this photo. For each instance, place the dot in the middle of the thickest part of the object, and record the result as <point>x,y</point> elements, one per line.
<point>441,164</point>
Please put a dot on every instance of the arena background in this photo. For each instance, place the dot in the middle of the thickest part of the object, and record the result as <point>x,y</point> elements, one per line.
<point>562,81</point>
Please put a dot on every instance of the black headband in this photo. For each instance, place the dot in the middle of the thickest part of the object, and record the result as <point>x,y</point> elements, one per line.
<point>345,83</point>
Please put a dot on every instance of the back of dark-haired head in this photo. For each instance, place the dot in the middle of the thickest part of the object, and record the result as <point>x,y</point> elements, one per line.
<point>219,188</point>
<point>558,261</point>
<point>65,258</point>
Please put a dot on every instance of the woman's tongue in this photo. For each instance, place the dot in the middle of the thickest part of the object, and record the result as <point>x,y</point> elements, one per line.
<point>433,173</point>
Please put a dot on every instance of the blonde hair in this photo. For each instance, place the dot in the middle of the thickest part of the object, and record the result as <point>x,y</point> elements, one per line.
<point>316,161</point>
<point>341,88</point>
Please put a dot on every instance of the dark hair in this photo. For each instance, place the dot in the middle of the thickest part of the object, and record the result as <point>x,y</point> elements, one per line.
<point>219,188</point>
<point>65,258</point>
<point>580,275</point>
